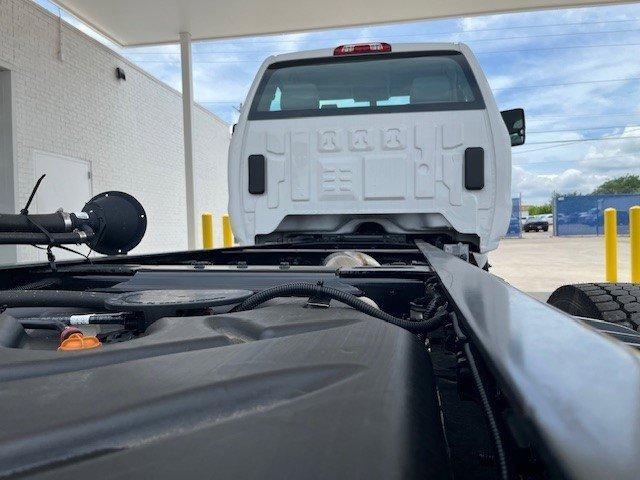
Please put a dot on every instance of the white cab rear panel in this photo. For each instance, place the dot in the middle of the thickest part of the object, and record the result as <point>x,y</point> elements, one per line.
<point>403,171</point>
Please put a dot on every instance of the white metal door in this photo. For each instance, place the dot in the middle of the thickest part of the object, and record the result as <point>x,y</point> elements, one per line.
<point>67,185</point>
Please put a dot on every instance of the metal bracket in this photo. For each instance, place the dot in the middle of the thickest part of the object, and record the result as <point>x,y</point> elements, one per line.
<point>460,250</point>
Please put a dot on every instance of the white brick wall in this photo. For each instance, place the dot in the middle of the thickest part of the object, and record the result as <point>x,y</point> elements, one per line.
<point>130,131</point>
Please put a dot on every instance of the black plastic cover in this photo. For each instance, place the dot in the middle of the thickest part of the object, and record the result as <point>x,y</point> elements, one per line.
<point>158,303</point>
<point>474,168</point>
<point>278,392</point>
<point>123,222</point>
<point>257,174</point>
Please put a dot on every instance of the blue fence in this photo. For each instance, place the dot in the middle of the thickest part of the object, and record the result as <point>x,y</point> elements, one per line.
<point>583,214</point>
<point>515,226</point>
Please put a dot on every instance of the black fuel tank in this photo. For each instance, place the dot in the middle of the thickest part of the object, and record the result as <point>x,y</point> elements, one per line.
<point>277,392</point>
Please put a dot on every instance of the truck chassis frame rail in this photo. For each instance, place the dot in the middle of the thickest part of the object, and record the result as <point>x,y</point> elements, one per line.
<point>591,424</point>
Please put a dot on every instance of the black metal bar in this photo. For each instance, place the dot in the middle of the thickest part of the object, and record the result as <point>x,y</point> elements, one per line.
<point>578,389</point>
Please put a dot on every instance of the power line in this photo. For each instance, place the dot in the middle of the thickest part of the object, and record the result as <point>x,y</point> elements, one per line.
<point>563,143</point>
<point>477,53</point>
<point>459,32</point>
<point>605,139</point>
<point>584,115</point>
<point>556,143</point>
<point>581,129</point>
<point>521,152</point>
<point>530,117</point>
<point>516,87</point>
<point>495,39</point>
<point>552,162</point>
<point>559,48</point>
<point>604,80</point>
<point>559,142</point>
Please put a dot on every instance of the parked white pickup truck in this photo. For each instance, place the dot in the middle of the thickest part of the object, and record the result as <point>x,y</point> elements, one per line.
<point>373,139</point>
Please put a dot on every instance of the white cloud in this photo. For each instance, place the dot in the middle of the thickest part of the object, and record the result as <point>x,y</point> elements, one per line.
<point>538,188</point>
<point>547,17</point>
<point>499,82</point>
<point>580,167</point>
<point>616,156</point>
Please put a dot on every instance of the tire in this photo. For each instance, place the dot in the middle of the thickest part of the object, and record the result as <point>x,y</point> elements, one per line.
<point>545,229</point>
<point>617,303</point>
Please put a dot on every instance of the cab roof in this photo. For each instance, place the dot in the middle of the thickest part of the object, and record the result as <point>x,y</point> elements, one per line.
<point>395,48</point>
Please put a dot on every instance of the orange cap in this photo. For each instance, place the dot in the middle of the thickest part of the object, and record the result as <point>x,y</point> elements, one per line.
<point>77,341</point>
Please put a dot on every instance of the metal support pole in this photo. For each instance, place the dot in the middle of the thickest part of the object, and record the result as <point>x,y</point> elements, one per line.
<point>554,206</point>
<point>227,235</point>
<point>187,121</point>
<point>520,215</point>
<point>634,241</point>
<point>611,245</point>
<point>8,166</point>
<point>207,231</point>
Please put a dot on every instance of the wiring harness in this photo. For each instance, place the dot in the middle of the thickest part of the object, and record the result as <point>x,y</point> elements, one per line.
<point>309,289</point>
<point>484,400</point>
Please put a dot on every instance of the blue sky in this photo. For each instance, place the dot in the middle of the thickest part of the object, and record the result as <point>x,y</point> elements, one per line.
<point>576,72</point>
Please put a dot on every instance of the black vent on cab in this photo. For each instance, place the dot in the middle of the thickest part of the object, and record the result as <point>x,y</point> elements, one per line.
<point>257,174</point>
<point>474,168</point>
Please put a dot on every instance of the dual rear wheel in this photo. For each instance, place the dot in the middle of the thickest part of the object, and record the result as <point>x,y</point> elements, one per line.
<point>617,303</point>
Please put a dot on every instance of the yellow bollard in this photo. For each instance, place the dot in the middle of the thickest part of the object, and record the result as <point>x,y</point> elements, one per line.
<point>611,245</point>
<point>227,235</point>
<point>634,241</point>
<point>207,230</point>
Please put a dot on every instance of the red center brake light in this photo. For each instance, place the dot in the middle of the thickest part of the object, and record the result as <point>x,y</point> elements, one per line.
<point>362,48</point>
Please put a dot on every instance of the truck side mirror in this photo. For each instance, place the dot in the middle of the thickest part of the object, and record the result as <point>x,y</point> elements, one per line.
<point>514,120</point>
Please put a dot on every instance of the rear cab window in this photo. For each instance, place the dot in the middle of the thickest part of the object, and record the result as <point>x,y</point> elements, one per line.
<point>374,83</point>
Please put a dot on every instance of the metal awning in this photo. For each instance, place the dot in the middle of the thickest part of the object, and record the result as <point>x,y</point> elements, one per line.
<point>143,22</point>
<point>152,22</point>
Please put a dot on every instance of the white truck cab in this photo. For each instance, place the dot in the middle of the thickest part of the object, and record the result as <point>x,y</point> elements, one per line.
<point>372,139</point>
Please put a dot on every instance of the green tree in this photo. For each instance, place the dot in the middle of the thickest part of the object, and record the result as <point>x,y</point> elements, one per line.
<point>575,193</point>
<point>540,209</point>
<point>624,184</point>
